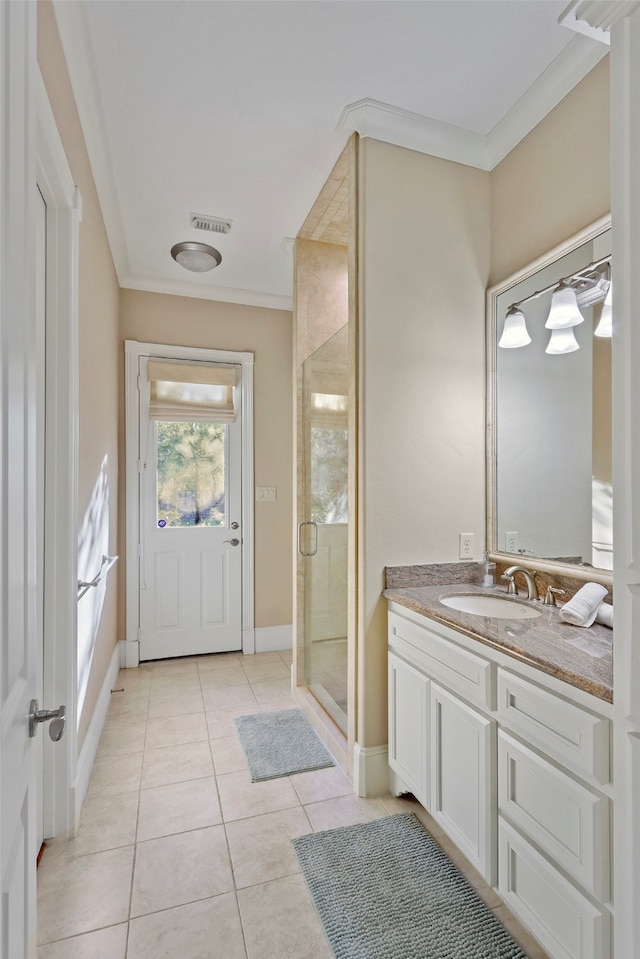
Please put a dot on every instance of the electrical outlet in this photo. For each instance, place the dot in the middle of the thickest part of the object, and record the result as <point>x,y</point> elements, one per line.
<point>511,542</point>
<point>466,545</point>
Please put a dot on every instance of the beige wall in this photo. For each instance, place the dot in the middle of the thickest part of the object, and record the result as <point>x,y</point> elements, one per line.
<point>424,265</point>
<point>556,181</point>
<point>98,347</point>
<point>321,284</point>
<point>183,321</point>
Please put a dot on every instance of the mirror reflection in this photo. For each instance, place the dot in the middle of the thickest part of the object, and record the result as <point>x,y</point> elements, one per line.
<point>550,462</point>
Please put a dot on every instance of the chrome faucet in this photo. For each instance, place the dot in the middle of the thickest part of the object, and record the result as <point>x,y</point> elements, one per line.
<point>532,591</point>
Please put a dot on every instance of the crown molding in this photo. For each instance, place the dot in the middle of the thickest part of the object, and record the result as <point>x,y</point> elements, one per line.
<point>594,18</point>
<point>71,19</point>
<point>381,121</point>
<point>199,291</point>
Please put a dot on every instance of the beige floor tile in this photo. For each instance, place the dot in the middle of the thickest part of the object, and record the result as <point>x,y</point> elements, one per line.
<point>223,677</point>
<point>93,891</point>
<point>171,764</point>
<point>228,756</point>
<point>113,775</point>
<point>320,784</point>
<point>221,721</point>
<point>109,943</point>
<point>260,672</point>
<point>286,655</point>
<point>279,701</point>
<point>226,697</point>
<point>178,807</point>
<point>345,811</point>
<point>261,847</point>
<point>165,684</point>
<point>271,657</point>
<point>176,870</point>
<point>174,667</point>
<point>106,823</point>
<point>218,661</point>
<point>119,738</point>
<point>166,703</point>
<point>176,730</point>
<point>271,689</point>
<point>128,709</point>
<point>241,799</point>
<point>280,922</point>
<point>200,930</point>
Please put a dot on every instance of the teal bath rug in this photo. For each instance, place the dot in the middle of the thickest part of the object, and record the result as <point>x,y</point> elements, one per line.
<point>385,890</point>
<point>280,744</point>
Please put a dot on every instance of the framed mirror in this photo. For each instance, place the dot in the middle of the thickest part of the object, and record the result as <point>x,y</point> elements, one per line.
<point>549,495</point>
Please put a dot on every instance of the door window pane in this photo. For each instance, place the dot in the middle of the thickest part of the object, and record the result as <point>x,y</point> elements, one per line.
<point>191,474</point>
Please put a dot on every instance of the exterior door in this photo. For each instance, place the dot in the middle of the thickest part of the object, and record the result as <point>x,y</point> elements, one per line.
<point>19,470</point>
<point>190,519</point>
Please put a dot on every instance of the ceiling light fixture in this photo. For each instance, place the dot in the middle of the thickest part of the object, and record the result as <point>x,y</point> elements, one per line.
<point>605,324</point>
<point>196,257</point>
<point>514,332</point>
<point>562,340</point>
<point>564,310</point>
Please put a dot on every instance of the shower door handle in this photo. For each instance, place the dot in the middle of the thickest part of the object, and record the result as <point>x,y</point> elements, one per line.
<point>302,551</point>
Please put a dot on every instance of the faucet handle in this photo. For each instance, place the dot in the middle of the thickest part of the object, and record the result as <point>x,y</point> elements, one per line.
<point>512,589</point>
<point>550,598</point>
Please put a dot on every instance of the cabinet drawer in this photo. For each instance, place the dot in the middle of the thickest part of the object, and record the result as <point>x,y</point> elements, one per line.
<point>454,667</point>
<point>566,923</point>
<point>566,820</point>
<point>568,733</point>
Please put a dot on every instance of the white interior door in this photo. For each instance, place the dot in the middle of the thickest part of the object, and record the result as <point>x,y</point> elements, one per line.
<point>41,300</point>
<point>190,532</point>
<point>19,468</point>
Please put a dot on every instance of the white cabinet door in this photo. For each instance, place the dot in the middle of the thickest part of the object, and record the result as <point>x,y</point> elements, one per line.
<point>462,755</point>
<point>408,729</point>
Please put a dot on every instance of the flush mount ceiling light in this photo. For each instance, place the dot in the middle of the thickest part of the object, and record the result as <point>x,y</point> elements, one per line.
<point>564,310</point>
<point>562,340</point>
<point>605,324</point>
<point>514,332</point>
<point>196,257</point>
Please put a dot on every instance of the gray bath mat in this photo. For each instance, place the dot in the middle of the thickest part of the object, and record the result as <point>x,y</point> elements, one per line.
<point>385,890</point>
<point>279,744</point>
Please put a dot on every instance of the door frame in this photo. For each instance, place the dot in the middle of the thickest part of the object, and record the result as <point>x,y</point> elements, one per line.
<point>60,519</point>
<point>133,351</point>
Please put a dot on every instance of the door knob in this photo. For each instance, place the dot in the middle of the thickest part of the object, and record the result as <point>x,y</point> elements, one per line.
<point>57,717</point>
<point>234,541</point>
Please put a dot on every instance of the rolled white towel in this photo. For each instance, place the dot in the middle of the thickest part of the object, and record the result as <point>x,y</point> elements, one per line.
<point>582,609</point>
<point>604,615</point>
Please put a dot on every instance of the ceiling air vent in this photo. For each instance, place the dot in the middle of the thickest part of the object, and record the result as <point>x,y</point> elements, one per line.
<point>213,224</point>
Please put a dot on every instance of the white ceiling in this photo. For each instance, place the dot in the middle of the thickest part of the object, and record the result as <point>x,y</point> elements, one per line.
<point>230,108</point>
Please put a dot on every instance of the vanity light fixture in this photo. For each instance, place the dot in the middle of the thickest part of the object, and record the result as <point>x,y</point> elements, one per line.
<point>562,340</point>
<point>514,333</point>
<point>564,310</point>
<point>196,257</point>
<point>605,324</point>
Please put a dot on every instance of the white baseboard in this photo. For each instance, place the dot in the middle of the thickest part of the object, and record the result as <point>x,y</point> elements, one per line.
<point>273,638</point>
<point>370,770</point>
<point>87,756</point>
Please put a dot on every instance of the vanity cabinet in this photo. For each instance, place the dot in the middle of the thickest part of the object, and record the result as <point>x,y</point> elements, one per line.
<point>515,769</point>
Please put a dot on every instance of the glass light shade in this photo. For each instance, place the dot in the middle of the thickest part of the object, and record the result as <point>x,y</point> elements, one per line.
<point>562,341</point>
<point>605,324</point>
<point>514,332</point>
<point>196,257</point>
<point>564,310</point>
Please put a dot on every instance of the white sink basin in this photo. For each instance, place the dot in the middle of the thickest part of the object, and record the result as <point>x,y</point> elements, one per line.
<point>494,606</point>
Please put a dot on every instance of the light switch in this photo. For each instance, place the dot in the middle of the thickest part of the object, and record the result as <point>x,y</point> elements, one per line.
<point>265,494</point>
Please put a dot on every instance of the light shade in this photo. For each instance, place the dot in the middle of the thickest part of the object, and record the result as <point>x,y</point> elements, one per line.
<point>605,324</point>
<point>196,257</point>
<point>562,341</point>
<point>514,332</point>
<point>564,310</point>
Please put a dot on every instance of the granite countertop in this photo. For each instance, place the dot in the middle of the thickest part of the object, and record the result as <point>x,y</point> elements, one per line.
<point>582,657</point>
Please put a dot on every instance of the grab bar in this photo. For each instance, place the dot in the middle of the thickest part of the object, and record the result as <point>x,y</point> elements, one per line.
<point>105,566</point>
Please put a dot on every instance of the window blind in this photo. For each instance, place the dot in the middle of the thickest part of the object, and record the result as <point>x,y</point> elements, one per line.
<point>189,392</point>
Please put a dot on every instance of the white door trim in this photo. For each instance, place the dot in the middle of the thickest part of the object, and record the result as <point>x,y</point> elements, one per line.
<point>64,213</point>
<point>133,351</point>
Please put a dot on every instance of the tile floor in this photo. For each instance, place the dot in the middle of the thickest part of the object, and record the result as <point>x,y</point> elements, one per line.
<point>179,855</point>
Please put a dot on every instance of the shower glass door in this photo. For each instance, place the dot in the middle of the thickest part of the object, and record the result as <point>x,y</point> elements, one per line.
<point>323,530</point>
